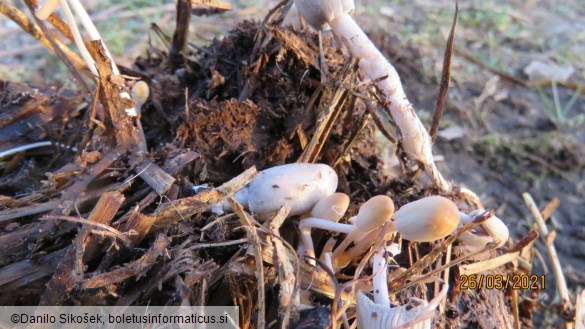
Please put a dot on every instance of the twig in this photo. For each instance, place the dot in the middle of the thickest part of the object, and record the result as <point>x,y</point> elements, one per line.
<point>445,77</point>
<point>288,296</point>
<point>255,240</point>
<point>133,268</point>
<point>548,240</point>
<point>107,228</point>
<point>179,43</point>
<point>550,208</point>
<point>33,29</point>
<point>171,213</point>
<point>218,244</point>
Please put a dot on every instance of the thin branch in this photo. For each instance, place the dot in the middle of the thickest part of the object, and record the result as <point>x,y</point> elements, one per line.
<point>445,77</point>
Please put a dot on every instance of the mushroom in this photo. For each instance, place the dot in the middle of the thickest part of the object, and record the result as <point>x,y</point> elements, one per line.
<point>492,230</point>
<point>413,136</point>
<point>427,219</point>
<point>417,313</point>
<point>380,280</point>
<point>330,208</point>
<point>301,185</point>
<point>140,93</point>
<point>371,215</point>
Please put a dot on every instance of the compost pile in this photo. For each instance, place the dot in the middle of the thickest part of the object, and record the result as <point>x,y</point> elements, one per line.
<point>103,224</point>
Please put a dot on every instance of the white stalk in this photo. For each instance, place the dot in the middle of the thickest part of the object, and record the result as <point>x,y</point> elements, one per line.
<point>31,146</point>
<point>77,37</point>
<point>412,135</point>
<point>380,280</point>
<point>307,224</point>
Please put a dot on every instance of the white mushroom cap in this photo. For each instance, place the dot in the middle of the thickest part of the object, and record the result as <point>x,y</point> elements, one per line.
<point>318,13</point>
<point>331,207</point>
<point>427,219</point>
<point>301,185</point>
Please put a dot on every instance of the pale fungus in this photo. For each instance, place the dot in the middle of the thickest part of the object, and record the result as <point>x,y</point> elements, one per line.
<point>493,230</point>
<point>300,185</point>
<point>413,136</point>
<point>371,215</point>
<point>330,208</point>
<point>427,219</point>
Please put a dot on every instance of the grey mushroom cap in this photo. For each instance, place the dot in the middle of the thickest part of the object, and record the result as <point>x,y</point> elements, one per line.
<point>318,13</point>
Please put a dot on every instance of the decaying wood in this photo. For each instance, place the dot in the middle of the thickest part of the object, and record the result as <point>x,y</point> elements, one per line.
<point>28,270</point>
<point>154,176</point>
<point>71,268</point>
<point>8,214</point>
<point>127,135</point>
<point>326,120</point>
<point>172,212</point>
<point>69,198</point>
<point>291,42</point>
<point>288,295</point>
<point>133,269</point>
<point>263,36</point>
<point>180,37</point>
<point>259,271</point>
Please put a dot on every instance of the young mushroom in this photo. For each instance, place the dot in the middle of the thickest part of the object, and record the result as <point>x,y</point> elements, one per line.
<point>140,93</point>
<point>493,230</point>
<point>413,136</point>
<point>427,219</point>
<point>330,208</point>
<point>371,215</point>
<point>301,185</point>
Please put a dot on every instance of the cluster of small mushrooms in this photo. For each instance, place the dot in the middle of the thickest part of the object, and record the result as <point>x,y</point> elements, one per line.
<point>309,190</point>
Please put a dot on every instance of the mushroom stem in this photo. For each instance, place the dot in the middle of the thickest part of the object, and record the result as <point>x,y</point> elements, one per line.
<point>380,280</point>
<point>413,136</point>
<point>326,211</point>
<point>307,224</point>
<point>362,244</point>
<point>371,215</point>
